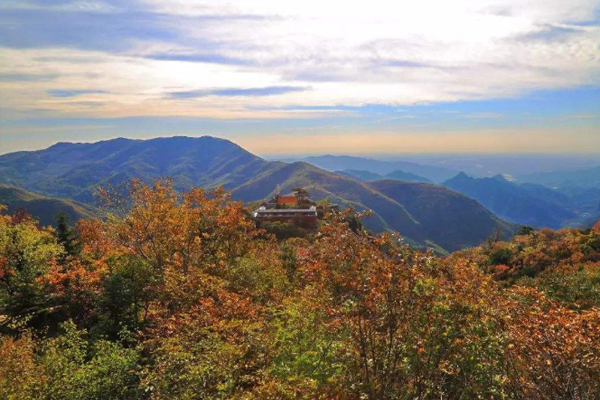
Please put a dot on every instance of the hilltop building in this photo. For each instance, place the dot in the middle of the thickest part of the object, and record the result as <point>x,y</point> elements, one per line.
<point>292,208</point>
<point>305,218</point>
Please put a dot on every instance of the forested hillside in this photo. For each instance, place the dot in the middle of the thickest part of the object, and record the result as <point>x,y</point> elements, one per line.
<point>44,209</point>
<point>179,296</point>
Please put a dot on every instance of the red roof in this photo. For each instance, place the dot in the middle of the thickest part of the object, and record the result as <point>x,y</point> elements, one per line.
<point>287,200</point>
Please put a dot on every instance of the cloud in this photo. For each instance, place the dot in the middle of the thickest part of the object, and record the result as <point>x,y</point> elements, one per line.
<point>60,5</point>
<point>202,58</point>
<point>71,93</point>
<point>235,92</point>
<point>550,33</point>
<point>484,115</point>
<point>17,77</point>
<point>405,64</point>
<point>238,59</point>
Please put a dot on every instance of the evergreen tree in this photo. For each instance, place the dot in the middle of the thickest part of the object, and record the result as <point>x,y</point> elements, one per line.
<point>67,237</point>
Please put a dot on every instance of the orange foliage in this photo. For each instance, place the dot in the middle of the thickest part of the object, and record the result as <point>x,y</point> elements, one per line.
<point>218,309</point>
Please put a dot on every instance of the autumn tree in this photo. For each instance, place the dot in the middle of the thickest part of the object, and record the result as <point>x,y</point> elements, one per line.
<point>179,296</point>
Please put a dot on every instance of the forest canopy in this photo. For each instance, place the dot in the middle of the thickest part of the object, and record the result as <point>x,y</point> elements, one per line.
<point>179,296</point>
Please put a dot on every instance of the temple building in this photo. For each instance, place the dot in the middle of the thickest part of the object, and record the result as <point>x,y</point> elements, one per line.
<point>301,217</point>
<point>288,209</point>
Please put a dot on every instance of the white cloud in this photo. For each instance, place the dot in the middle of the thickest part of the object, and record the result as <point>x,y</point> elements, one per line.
<point>72,6</point>
<point>347,52</point>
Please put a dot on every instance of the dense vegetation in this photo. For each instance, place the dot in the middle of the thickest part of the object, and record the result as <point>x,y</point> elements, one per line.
<point>179,296</point>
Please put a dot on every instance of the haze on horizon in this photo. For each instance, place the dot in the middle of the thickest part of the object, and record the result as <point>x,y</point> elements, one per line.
<point>305,77</point>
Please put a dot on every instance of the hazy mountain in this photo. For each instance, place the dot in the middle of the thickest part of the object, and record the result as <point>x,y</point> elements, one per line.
<point>360,174</point>
<point>75,170</point>
<point>587,200</point>
<point>370,176</point>
<point>44,209</point>
<point>488,165</point>
<point>529,205</point>
<point>341,163</point>
<point>407,177</point>
<point>585,178</point>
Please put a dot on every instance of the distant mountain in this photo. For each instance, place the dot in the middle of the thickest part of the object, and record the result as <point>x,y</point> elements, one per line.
<point>528,204</point>
<point>426,214</point>
<point>76,170</point>
<point>342,163</point>
<point>44,209</point>
<point>371,176</point>
<point>587,200</point>
<point>407,177</point>
<point>580,187</point>
<point>585,178</point>
<point>442,213</point>
<point>360,174</point>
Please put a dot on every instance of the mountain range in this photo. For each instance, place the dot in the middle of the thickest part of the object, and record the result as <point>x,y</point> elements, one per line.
<point>371,176</point>
<point>549,199</point>
<point>341,163</point>
<point>422,213</point>
<point>582,178</point>
<point>527,203</point>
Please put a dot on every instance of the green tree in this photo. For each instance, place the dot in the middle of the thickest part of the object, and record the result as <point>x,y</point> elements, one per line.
<point>27,253</point>
<point>67,236</point>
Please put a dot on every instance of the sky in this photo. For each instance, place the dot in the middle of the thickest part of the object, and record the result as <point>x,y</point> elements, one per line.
<point>305,77</point>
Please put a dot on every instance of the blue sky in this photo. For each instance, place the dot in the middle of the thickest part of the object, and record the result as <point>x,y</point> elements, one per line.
<point>305,77</point>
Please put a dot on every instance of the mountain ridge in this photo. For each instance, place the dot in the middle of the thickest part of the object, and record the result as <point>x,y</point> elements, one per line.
<point>343,162</point>
<point>399,175</point>
<point>529,205</point>
<point>75,171</point>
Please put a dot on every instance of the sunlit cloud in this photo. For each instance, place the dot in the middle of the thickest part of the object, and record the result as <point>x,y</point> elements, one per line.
<point>289,59</point>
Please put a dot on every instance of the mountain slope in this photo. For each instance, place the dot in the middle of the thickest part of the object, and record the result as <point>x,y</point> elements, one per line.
<point>76,170</point>
<point>426,214</point>
<point>449,219</point>
<point>524,205</point>
<point>360,174</point>
<point>388,214</point>
<point>407,177</point>
<point>341,163</point>
<point>371,176</point>
<point>44,209</point>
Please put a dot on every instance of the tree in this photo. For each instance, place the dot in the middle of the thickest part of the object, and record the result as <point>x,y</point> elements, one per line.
<point>180,296</point>
<point>67,236</point>
<point>27,254</point>
<point>302,195</point>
